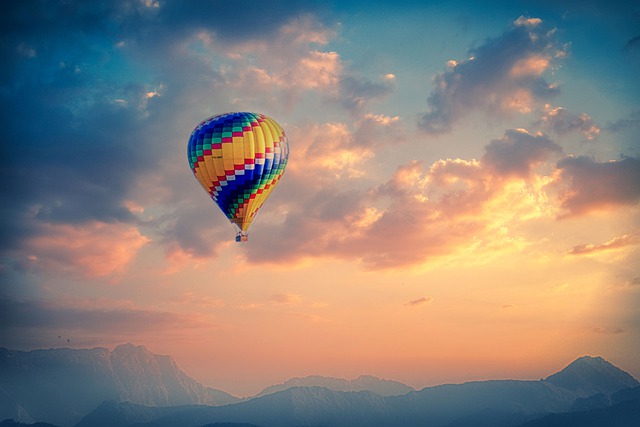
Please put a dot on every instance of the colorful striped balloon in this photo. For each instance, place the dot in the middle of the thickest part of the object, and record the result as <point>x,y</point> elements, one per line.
<point>238,158</point>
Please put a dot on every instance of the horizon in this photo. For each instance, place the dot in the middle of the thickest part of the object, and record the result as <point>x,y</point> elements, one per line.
<point>461,200</point>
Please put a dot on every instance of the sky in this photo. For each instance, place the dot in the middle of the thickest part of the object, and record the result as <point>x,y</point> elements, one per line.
<point>461,200</point>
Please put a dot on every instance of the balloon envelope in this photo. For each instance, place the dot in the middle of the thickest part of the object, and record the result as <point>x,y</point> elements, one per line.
<point>238,158</point>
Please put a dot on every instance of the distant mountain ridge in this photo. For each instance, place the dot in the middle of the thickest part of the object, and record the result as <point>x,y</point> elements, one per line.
<point>362,383</point>
<point>62,385</point>
<point>500,403</point>
<point>132,387</point>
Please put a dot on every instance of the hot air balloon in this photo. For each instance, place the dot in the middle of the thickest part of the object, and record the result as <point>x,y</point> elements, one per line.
<point>238,158</point>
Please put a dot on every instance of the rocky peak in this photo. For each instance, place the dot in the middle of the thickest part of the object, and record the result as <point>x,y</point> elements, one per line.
<point>588,375</point>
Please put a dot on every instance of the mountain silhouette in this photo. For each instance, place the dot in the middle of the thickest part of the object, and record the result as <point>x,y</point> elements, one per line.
<point>132,387</point>
<point>624,411</point>
<point>504,403</point>
<point>587,376</point>
<point>62,385</point>
<point>362,383</point>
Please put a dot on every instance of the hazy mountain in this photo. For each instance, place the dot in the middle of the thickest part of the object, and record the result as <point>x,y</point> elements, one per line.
<point>111,414</point>
<point>362,383</point>
<point>62,385</point>
<point>587,376</point>
<point>483,403</point>
<point>297,406</point>
<point>73,383</point>
<point>623,411</point>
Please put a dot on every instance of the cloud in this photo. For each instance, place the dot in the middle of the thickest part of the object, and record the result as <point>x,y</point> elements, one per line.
<point>379,130</point>
<point>284,65</point>
<point>327,152</point>
<point>96,114</point>
<point>420,213</point>
<point>632,120</point>
<point>420,301</point>
<point>233,21</point>
<point>518,152</point>
<point>633,45</point>
<point>192,232</point>
<point>357,91</point>
<point>99,121</point>
<point>290,299</point>
<point>561,121</point>
<point>37,323</point>
<point>502,76</point>
<point>615,243</point>
<point>588,185</point>
<point>91,250</point>
<point>608,330</point>
<point>293,62</point>
<point>69,152</point>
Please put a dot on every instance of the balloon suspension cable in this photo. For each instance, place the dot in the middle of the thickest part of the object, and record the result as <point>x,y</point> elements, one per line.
<point>242,236</point>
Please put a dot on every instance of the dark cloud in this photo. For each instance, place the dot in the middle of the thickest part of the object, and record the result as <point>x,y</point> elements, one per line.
<point>234,20</point>
<point>633,44</point>
<point>69,152</point>
<point>562,121</point>
<point>591,185</point>
<point>357,91</point>
<point>151,23</point>
<point>632,120</point>
<point>518,152</point>
<point>198,229</point>
<point>501,76</point>
<point>420,301</point>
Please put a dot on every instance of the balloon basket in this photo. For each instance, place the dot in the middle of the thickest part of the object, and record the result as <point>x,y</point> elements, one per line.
<point>242,236</point>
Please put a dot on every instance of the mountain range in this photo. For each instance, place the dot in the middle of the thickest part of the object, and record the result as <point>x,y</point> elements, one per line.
<point>62,385</point>
<point>362,383</point>
<point>132,387</point>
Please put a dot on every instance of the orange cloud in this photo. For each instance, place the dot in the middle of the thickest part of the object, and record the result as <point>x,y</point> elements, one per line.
<point>327,152</point>
<point>94,250</point>
<point>291,299</point>
<point>417,215</point>
<point>534,65</point>
<point>289,62</point>
<point>378,130</point>
<point>615,243</point>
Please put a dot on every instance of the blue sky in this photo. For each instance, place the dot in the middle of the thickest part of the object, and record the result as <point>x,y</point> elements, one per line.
<point>463,171</point>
